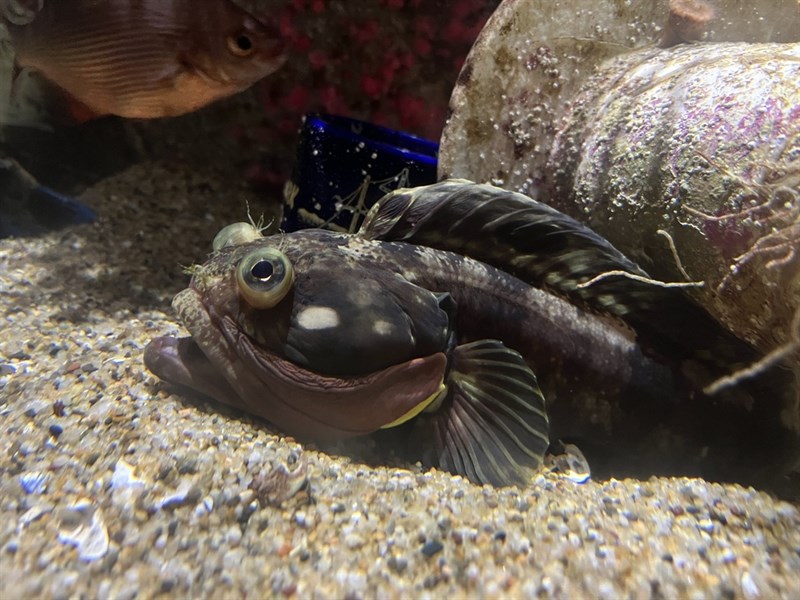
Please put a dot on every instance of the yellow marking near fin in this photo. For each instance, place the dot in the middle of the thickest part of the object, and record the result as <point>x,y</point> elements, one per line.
<point>417,409</point>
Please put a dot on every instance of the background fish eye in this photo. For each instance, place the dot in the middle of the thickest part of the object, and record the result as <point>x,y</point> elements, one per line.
<point>241,44</point>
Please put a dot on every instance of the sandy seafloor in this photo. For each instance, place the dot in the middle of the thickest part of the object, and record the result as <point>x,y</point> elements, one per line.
<point>112,486</point>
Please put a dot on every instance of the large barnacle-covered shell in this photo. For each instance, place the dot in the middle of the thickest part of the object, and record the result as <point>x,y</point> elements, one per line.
<point>701,142</point>
<point>686,156</point>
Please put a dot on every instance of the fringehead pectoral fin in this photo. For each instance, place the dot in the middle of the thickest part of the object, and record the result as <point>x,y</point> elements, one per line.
<point>491,425</point>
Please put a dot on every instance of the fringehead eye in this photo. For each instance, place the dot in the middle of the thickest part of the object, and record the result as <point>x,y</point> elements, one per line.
<point>264,277</point>
<point>241,44</point>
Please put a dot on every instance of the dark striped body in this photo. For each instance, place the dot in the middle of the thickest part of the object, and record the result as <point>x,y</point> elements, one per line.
<point>468,318</point>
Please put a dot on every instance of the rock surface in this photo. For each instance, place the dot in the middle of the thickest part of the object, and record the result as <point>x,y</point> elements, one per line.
<point>685,157</point>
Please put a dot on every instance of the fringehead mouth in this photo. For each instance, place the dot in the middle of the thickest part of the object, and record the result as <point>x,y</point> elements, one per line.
<point>221,361</point>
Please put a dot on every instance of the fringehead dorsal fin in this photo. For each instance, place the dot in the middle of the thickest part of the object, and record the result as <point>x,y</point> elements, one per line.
<point>508,230</point>
<point>546,248</point>
<point>491,425</point>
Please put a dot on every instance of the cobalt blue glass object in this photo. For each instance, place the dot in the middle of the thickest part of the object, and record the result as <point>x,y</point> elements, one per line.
<point>344,166</point>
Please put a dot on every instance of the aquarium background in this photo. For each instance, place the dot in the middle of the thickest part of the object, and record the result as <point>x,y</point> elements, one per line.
<point>115,485</point>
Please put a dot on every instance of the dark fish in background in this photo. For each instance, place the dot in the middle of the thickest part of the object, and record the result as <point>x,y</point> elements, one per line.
<point>142,58</point>
<point>331,335</point>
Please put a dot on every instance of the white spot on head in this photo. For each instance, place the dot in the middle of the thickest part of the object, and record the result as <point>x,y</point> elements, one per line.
<point>382,327</point>
<point>359,297</point>
<point>318,317</point>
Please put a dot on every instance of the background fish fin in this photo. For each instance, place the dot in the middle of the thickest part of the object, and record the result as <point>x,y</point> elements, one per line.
<point>491,426</point>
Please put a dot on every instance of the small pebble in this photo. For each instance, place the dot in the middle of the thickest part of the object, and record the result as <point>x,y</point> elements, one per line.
<point>233,536</point>
<point>7,369</point>
<point>398,564</point>
<point>353,541</point>
<point>300,518</point>
<point>432,548</point>
<point>706,525</point>
<point>34,482</point>
<point>186,494</point>
<point>749,587</point>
